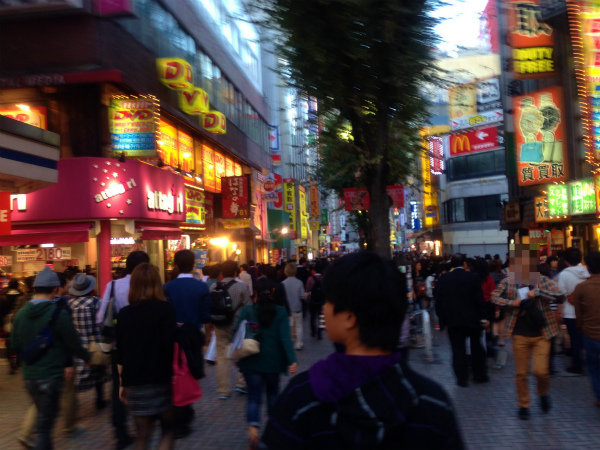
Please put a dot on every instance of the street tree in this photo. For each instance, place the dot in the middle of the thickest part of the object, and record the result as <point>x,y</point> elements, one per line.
<point>365,61</point>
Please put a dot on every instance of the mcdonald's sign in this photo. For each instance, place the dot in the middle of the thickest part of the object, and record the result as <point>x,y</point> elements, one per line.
<point>474,141</point>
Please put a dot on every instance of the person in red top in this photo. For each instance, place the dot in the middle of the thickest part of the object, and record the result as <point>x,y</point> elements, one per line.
<point>488,285</point>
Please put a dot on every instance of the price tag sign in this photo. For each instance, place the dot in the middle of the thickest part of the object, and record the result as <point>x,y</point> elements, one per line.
<point>5,261</point>
<point>44,254</point>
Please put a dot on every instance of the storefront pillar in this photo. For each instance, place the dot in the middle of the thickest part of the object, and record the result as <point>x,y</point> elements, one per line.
<point>104,256</point>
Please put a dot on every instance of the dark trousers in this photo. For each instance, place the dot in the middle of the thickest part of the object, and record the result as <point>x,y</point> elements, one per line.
<point>460,363</point>
<point>119,411</point>
<point>315,313</point>
<point>46,397</point>
<point>576,343</point>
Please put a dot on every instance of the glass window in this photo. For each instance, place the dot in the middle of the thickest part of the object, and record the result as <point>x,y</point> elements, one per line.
<point>459,209</point>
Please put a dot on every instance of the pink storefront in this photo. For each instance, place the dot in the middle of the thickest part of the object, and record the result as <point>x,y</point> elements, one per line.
<point>99,211</point>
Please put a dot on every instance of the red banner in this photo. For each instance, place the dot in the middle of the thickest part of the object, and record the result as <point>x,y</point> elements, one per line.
<point>397,193</point>
<point>474,141</point>
<point>236,198</point>
<point>4,213</point>
<point>356,199</point>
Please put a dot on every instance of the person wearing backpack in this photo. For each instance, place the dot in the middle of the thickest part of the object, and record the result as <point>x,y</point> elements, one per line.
<point>228,297</point>
<point>316,300</point>
<point>191,300</point>
<point>44,366</point>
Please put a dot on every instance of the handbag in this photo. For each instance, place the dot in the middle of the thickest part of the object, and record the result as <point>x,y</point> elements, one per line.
<point>186,389</point>
<point>421,289</point>
<point>108,328</point>
<point>99,357</point>
<point>531,152</point>
<point>245,341</point>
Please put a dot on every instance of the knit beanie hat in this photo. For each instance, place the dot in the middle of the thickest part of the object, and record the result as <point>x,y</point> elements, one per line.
<point>46,278</point>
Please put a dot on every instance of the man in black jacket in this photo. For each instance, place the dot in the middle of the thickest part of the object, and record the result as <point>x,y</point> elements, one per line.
<point>460,306</point>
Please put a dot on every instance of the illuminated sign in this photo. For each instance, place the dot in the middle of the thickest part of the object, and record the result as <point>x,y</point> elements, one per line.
<point>31,115</point>
<point>168,149</point>
<point>195,211</point>
<point>122,241</point>
<point>165,202</point>
<point>429,197</point>
<point>475,104</point>
<point>303,214</point>
<point>208,156</point>
<point>542,211</point>
<point>132,126</point>
<point>541,155</point>
<point>289,196</point>
<point>436,155</point>
<point>590,29</point>
<point>558,200</point>
<point>474,141</point>
<point>582,198</point>
<point>219,170</point>
<point>185,144</point>
<point>5,207</point>
<point>178,74</point>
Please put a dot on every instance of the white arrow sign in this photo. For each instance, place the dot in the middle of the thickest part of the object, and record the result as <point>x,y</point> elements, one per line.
<point>481,135</point>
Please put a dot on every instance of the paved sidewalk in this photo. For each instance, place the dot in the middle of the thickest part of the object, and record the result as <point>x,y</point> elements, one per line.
<point>487,413</point>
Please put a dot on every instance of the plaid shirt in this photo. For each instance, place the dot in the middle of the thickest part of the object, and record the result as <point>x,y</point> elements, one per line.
<point>83,312</point>
<point>547,292</point>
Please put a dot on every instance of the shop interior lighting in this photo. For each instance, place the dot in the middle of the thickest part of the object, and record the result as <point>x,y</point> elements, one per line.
<point>47,245</point>
<point>219,242</point>
<point>24,107</point>
<point>187,155</point>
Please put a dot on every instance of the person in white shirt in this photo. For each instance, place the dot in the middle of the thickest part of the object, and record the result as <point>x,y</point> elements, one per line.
<point>246,277</point>
<point>294,288</point>
<point>121,294</point>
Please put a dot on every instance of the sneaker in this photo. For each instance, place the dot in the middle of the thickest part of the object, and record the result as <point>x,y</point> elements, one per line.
<point>25,442</point>
<point>223,397</point>
<point>241,390</point>
<point>545,403</point>
<point>524,413</point>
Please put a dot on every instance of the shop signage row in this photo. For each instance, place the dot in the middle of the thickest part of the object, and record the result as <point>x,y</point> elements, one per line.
<point>541,155</point>
<point>475,104</point>
<point>574,198</point>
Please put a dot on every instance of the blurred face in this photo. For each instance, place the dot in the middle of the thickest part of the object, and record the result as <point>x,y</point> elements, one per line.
<point>554,264</point>
<point>418,266</point>
<point>523,267</point>
<point>333,323</point>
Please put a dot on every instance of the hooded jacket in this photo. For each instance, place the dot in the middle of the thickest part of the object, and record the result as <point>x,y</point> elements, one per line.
<point>362,402</point>
<point>567,280</point>
<point>29,321</point>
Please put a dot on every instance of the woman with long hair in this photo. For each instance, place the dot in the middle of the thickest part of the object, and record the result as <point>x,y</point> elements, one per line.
<point>145,338</point>
<point>276,354</point>
<point>419,276</point>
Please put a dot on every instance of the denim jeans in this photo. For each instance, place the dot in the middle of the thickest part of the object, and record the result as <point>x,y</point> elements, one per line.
<point>592,355</point>
<point>576,343</point>
<point>254,382</point>
<point>45,395</point>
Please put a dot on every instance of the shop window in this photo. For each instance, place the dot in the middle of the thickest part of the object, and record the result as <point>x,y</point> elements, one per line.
<point>476,166</point>
<point>473,209</point>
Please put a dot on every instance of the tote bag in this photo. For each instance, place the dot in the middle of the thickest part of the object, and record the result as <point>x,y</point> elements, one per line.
<point>186,389</point>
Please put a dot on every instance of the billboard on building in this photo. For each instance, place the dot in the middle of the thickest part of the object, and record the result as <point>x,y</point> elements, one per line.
<point>132,126</point>
<point>475,104</point>
<point>475,141</point>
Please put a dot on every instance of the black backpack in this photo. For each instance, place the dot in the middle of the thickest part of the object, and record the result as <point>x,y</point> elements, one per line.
<point>221,305</point>
<point>316,293</point>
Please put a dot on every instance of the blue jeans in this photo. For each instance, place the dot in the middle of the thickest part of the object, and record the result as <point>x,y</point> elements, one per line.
<point>254,383</point>
<point>576,343</point>
<point>45,395</point>
<point>592,355</point>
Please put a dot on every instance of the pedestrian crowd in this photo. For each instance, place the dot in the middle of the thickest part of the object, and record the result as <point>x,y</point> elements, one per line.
<point>152,339</point>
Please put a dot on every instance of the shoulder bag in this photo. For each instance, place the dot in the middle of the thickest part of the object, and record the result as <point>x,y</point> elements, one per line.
<point>186,389</point>
<point>99,357</point>
<point>108,328</point>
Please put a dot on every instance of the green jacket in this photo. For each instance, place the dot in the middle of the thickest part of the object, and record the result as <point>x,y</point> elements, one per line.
<point>29,321</point>
<point>276,346</point>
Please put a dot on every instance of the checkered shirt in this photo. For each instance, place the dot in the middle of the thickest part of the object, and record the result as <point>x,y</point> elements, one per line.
<point>83,312</point>
<point>547,291</point>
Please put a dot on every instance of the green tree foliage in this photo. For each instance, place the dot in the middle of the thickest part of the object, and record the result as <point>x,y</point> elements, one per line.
<point>365,61</point>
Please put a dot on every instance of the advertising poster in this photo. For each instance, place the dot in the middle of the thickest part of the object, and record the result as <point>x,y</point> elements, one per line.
<point>219,170</point>
<point>532,40</point>
<point>558,200</point>
<point>229,170</point>
<point>208,156</point>
<point>541,155</point>
<point>31,115</point>
<point>290,205</point>
<point>475,104</point>
<point>356,199</point>
<point>276,256</point>
<point>237,170</point>
<point>235,197</point>
<point>186,151</point>
<point>303,213</point>
<point>474,141</point>
<point>314,202</point>
<point>168,148</point>
<point>232,224</point>
<point>132,127</point>
<point>194,206</point>
<point>396,192</point>
<point>201,256</point>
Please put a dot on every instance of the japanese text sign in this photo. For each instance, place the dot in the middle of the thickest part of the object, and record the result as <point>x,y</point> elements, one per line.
<point>235,194</point>
<point>582,198</point>
<point>541,153</point>
<point>194,206</point>
<point>356,199</point>
<point>208,156</point>
<point>314,202</point>
<point>303,213</point>
<point>132,127</point>
<point>558,200</point>
<point>289,201</point>
<point>542,212</point>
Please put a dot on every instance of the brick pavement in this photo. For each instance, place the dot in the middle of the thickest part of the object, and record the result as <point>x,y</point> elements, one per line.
<point>487,413</point>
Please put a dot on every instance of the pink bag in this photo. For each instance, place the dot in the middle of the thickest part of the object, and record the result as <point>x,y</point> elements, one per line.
<point>186,388</point>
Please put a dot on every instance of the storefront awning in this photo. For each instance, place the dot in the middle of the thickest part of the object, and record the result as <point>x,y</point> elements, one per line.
<point>55,233</point>
<point>158,232</point>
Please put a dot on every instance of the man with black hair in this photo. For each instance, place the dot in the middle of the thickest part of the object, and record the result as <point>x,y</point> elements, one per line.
<point>567,280</point>
<point>460,305</point>
<point>191,300</point>
<point>44,377</point>
<point>367,396</point>
<point>121,294</point>
<point>587,313</point>
<point>240,297</point>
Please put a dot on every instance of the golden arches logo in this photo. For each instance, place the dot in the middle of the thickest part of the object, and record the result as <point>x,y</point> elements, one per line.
<point>460,144</point>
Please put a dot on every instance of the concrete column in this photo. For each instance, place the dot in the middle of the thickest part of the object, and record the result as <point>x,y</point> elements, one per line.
<point>104,255</point>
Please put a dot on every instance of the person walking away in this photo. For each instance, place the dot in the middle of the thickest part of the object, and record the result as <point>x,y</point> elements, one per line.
<point>570,277</point>
<point>146,338</point>
<point>487,285</point>
<point>44,377</point>
<point>12,299</point>
<point>419,276</point>
<point>294,289</point>
<point>191,301</point>
<point>302,274</point>
<point>460,306</point>
<point>246,278</point>
<point>367,396</point>
<point>587,314</point>
<point>121,295</point>
<point>315,301</point>
<point>240,297</point>
<point>84,307</point>
<point>531,323</point>
<point>276,355</point>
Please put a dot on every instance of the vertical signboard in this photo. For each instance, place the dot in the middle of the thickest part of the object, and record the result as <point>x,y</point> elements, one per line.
<point>541,153</point>
<point>290,205</point>
<point>314,202</point>
<point>582,199</point>
<point>208,155</point>
<point>186,151</point>
<point>303,215</point>
<point>168,149</point>
<point>4,213</point>
<point>219,169</point>
<point>235,197</point>
<point>132,127</point>
<point>429,197</point>
<point>237,172</point>
<point>229,169</point>
<point>194,206</point>
<point>558,200</point>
